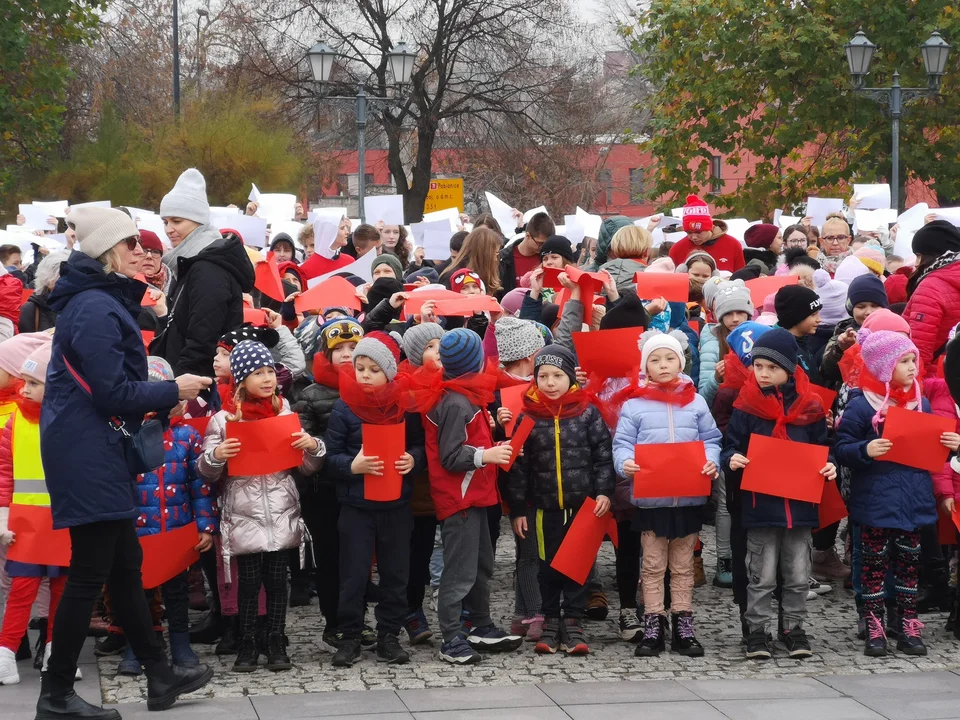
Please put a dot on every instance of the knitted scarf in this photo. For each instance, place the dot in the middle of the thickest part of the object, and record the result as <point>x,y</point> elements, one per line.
<point>257,408</point>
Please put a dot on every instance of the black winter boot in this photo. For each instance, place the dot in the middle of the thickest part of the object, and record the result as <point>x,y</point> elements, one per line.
<point>64,704</point>
<point>276,652</point>
<point>229,641</point>
<point>684,640</point>
<point>247,654</point>
<point>654,641</point>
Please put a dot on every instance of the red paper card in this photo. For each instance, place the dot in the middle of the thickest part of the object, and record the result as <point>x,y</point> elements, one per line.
<point>145,301</point>
<point>25,295</point>
<point>916,438</point>
<point>254,317</point>
<point>671,470</point>
<point>673,287</point>
<point>826,395</point>
<point>784,468</point>
<point>466,305</point>
<point>590,283</point>
<point>551,278</point>
<point>199,424</point>
<point>36,540</point>
<point>388,443</point>
<point>264,445</point>
<point>578,551</point>
<point>148,336</point>
<point>167,554</point>
<point>512,399</point>
<point>416,300</point>
<point>832,508</point>
<point>335,291</point>
<point>761,287</point>
<point>268,278</point>
<point>520,436</point>
<point>609,353</point>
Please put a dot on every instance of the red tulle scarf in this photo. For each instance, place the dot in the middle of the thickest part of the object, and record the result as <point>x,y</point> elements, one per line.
<point>30,409</point>
<point>806,409</point>
<point>325,372</point>
<point>377,405</point>
<point>680,393</point>
<point>571,404</point>
<point>735,375</point>
<point>854,373</point>
<point>227,391</point>
<point>427,386</point>
<point>258,408</point>
<point>899,396</point>
<point>11,393</point>
<point>505,380</point>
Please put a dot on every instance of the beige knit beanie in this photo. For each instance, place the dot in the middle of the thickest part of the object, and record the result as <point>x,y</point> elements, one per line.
<point>99,229</point>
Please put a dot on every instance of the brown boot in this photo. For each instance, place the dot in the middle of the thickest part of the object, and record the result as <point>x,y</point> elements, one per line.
<point>699,577</point>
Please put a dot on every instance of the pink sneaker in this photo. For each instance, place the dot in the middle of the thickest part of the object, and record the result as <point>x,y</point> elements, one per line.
<point>534,627</point>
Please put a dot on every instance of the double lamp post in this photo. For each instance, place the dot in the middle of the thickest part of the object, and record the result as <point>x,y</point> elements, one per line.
<point>859,54</point>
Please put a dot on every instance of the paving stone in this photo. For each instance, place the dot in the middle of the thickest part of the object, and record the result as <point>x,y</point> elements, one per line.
<point>693,710</point>
<point>930,683</point>
<point>471,698</point>
<point>602,693</point>
<point>794,709</point>
<point>733,689</point>
<point>528,713</point>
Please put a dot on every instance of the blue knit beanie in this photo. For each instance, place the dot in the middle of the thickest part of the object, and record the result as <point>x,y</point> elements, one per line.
<point>779,347</point>
<point>461,352</point>
<point>743,338</point>
<point>866,288</point>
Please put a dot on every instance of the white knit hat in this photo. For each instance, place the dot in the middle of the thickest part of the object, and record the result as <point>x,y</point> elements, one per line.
<point>188,199</point>
<point>653,340</point>
<point>99,229</point>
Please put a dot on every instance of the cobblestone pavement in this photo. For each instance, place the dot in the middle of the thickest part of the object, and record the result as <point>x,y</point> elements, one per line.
<point>831,626</point>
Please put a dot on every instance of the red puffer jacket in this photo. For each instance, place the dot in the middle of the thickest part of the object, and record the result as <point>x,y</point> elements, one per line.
<point>946,483</point>
<point>932,310</point>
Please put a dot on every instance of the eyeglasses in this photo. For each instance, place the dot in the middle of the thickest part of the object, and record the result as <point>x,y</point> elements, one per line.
<point>151,251</point>
<point>132,243</point>
<point>835,239</point>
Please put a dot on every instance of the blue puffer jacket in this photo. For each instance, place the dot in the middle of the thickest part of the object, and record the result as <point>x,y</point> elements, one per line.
<point>709,357</point>
<point>83,458</point>
<point>175,492</point>
<point>344,439</point>
<point>882,494</point>
<point>758,509</point>
<point>647,422</point>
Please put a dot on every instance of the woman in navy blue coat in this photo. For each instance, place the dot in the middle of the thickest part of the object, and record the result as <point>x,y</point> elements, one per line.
<point>98,371</point>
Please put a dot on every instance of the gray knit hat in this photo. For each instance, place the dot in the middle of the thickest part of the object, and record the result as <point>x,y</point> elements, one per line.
<point>732,298</point>
<point>516,339</point>
<point>99,229</point>
<point>374,346</point>
<point>188,199</point>
<point>416,338</point>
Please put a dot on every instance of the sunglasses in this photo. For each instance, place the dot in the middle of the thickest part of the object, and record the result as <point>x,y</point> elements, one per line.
<point>132,243</point>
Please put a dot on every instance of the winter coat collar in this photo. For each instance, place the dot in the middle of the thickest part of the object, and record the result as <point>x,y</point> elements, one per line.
<point>81,273</point>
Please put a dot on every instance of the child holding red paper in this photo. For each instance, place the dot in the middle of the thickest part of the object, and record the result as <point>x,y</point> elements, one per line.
<point>889,501</point>
<point>567,458</point>
<point>373,394</point>
<point>260,518</point>
<point>665,408</point>
<point>776,402</point>
<point>468,283</point>
<point>19,454</point>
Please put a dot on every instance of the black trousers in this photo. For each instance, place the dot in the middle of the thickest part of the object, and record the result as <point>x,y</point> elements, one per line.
<point>628,565</point>
<point>321,513</point>
<point>268,569</point>
<point>551,527</point>
<point>363,532</point>
<point>208,563</point>
<point>826,537</point>
<point>105,552</point>
<point>421,548</point>
<point>176,598</point>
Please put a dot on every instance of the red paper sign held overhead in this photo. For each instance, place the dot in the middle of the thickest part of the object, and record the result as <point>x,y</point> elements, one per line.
<point>609,353</point>
<point>673,287</point>
<point>335,291</point>
<point>761,287</point>
<point>268,278</point>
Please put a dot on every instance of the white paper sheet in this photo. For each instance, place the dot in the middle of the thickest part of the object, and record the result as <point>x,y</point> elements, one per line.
<point>434,238</point>
<point>361,268</point>
<point>873,196</point>
<point>874,220</point>
<point>451,215</point>
<point>777,214</point>
<point>95,203</point>
<point>677,212</point>
<point>388,208</point>
<point>277,207</point>
<point>590,223</point>
<point>254,195</point>
<point>530,213</point>
<point>37,218</point>
<point>736,227</point>
<point>674,237</point>
<point>290,227</point>
<point>786,221</point>
<point>136,212</point>
<point>153,223</point>
<point>53,242</point>
<point>819,208</point>
<point>573,232</point>
<point>912,218</point>
<point>252,229</point>
<point>501,213</point>
<point>57,208</point>
<point>222,210</point>
<point>951,215</point>
<point>657,237</point>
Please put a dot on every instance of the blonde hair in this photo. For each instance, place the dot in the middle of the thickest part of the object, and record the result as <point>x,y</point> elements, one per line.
<point>305,234</point>
<point>631,242</point>
<point>110,260</point>
<point>240,395</point>
<point>837,219</point>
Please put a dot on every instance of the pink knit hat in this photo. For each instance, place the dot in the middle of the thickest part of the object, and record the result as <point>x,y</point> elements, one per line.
<point>881,351</point>
<point>35,366</point>
<point>887,320</point>
<point>16,350</point>
<point>513,300</point>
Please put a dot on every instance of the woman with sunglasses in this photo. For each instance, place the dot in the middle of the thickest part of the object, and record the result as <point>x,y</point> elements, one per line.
<point>98,372</point>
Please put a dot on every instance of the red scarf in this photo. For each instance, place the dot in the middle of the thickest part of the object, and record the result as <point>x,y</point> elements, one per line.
<point>377,405</point>
<point>325,372</point>
<point>899,396</point>
<point>427,386</point>
<point>505,380</point>
<point>735,375</point>
<point>571,404</point>
<point>30,409</point>
<point>159,280</point>
<point>258,408</point>
<point>680,392</point>
<point>227,392</point>
<point>11,393</point>
<point>806,409</point>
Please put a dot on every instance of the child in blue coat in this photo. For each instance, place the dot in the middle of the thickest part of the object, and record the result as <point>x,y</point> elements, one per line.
<point>889,501</point>
<point>777,402</point>
<point>665,409</point>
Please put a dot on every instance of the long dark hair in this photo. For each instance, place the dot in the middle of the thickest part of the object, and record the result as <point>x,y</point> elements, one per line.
<point>401,250</point>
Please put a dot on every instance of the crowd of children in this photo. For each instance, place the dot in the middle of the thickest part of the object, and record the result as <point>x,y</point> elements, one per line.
<point>718,371</point>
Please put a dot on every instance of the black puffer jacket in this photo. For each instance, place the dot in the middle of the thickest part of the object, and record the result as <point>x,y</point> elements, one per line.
<point>206,302</point>
<point>314,405</point>
<point>36,315</point>
<point>586,464</point>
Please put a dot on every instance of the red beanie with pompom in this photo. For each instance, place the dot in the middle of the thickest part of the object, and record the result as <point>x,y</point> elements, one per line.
<point>696,215</point>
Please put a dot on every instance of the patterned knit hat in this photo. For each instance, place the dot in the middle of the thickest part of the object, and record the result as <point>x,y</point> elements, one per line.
<point>516,339</point>
<point>464,276</point>
<point>338,331</point>
<point>730,298</point>
<point>710,289</point>
<point>461,352</point>
<point>382,349</point>
<point>158,369</point>
<point>416,339</point>
<point>265,335</point>
<point>696,215</point>
<point>881,351</point>
<point>833,295</point>
<point>557,356</point>
<point>249,356</point>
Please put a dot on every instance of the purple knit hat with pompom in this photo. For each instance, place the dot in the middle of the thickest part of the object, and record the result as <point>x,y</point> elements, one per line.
<point>881,351</point>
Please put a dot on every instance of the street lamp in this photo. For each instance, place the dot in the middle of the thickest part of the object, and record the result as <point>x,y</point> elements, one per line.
<point>401,60</point>
<point>176,59</point>
<point>201,14</point>
<point>860,52</point>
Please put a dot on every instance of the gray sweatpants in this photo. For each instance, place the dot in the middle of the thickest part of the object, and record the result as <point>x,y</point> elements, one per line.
<point>467,568</point>
<point>767,550</point>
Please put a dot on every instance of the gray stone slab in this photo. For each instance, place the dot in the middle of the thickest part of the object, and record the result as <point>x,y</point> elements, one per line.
<point>326,704</point>
<point>20,701</point>
<point>930,683</point>
<point>199,708</point>
<point>529,713</point>
<point>914,707</point>
<point>603,693</point>
<point>758,689</point>
<point>796,709</point>
<point>694,710</point>
<point>470,698</point>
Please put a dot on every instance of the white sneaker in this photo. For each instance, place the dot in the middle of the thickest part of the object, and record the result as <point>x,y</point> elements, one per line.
<point>811,595</point>
<point>819,588</point>
<point>8,667</point>
<point>47,650</point>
